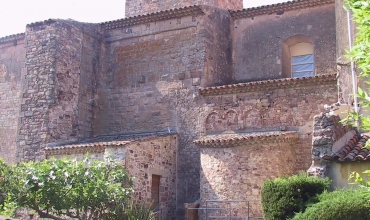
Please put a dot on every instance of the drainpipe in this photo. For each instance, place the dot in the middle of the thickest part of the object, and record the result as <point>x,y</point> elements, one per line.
<point>353,68</point>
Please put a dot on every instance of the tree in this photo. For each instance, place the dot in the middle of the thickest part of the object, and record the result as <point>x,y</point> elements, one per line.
<point>360,54</point>
<point>87,189</point>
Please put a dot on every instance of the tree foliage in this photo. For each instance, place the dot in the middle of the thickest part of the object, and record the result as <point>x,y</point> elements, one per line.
<point>360,54</point>
<point>86,189</point>
<point>340,204</point>
<point>282,197</point>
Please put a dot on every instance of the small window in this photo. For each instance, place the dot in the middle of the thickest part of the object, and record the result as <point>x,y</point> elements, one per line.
<point>302,60</point>
<point>155,190</point>
<point>302,65</point>
<point>298,57</point>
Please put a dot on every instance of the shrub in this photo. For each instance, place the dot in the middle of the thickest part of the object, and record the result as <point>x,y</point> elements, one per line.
<point>283,197</point>
<point>338,205</point>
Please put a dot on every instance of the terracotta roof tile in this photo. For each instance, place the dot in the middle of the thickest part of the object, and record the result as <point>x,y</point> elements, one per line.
<point>98,144</point>
<point>11,38</point>
<point>322,79</point>
<point>279,7</point>
<point>45,22</point>
<point>155,16</point>
<point>237,139</point>
<point>354,150</point>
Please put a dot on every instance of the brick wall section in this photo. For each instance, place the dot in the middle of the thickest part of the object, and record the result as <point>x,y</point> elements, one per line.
<point>255,60</point>
<point>139,83</point>
<point>237,173</point>
<point>12,55</point>
<point>140,7</point>
<point>288,109</point>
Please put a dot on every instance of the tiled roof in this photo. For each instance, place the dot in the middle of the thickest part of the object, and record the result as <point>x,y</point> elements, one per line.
<point>11,38</point>
<point>283,83</point>
<point>279,7</point>
<point>98,144</point>
<point>156,16</point>
<point>237,139</point>
<point>354,150</point>
<point>45,22</point>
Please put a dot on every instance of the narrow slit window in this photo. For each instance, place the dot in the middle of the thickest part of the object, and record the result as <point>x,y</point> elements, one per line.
<point>155,190</point>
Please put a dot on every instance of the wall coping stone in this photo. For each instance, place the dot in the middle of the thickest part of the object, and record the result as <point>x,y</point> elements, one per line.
<point>11,38</point>
<point>284,83</point>
<point>237,139</point>
<point>155,16</point>
<point>279,7</point>
<point>99,144</point>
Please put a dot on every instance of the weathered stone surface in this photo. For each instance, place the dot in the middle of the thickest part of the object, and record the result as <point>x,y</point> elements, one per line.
<point>67,81</point>
<point>11,70</point>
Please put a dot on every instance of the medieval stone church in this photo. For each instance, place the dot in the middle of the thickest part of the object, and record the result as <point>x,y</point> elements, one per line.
<point>201,100</point>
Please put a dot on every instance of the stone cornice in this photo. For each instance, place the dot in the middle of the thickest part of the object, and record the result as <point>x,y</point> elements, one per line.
<point>279,7</point>
<point>156,16</point>
<point>284,83</point>
<point>11,38</point>
<point>233,140</point>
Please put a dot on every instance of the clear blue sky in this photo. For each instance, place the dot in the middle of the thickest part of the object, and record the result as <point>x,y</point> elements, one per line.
<point>15,14</point>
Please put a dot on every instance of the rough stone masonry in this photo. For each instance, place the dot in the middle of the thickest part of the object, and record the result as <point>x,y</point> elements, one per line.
<point>199,69</point>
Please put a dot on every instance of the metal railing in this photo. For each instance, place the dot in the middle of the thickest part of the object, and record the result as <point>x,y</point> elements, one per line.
<point>228,210</point>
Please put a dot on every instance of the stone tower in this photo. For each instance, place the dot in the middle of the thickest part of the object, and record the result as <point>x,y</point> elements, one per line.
<point>141,7</point>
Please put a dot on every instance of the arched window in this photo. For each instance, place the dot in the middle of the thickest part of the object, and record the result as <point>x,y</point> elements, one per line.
<point>298,57</point>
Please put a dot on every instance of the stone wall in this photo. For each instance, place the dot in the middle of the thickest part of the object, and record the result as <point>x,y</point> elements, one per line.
<point>329,135</point>
<point>237,171</point>
<point>258,41</point>
<point>155,157</point>
<point>51,91</point>
<point>12,58</point>
<point>150,78</point>
<point>140,7</point>
<point>269,110</point>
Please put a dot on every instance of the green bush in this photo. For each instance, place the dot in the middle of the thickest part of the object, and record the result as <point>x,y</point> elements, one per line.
<point>338,205</point>
<point>283,197</point>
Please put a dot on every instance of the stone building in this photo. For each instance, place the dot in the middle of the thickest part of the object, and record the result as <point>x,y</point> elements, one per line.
<point>200,99</point>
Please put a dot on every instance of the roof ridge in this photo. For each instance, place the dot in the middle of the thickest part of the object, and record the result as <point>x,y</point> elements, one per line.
<point>278,7</point>
<point>12,37</point>
<point>154,16</point>
<point>237,139</point>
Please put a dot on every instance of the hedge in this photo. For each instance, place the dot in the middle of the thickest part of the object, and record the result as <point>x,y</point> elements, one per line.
<point>338,205</point>
<point>282,197</point>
